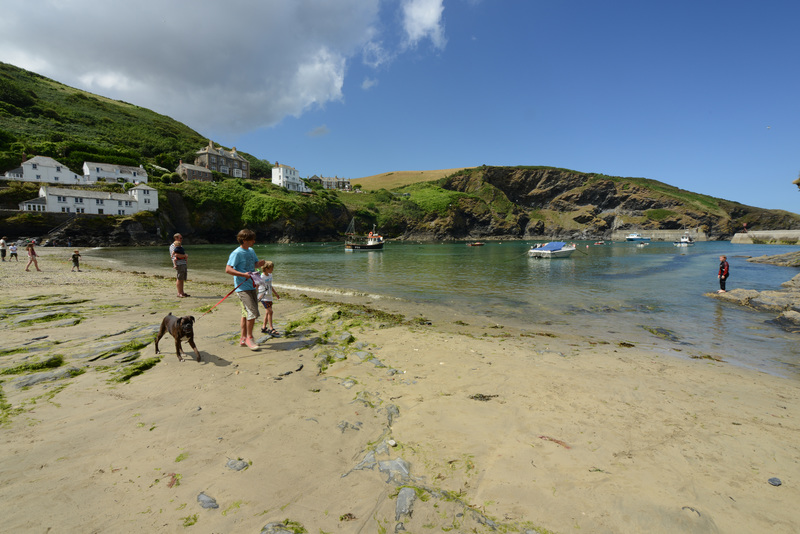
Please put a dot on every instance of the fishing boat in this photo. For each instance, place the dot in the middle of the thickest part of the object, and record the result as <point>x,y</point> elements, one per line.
<point>685,241</point>
<point>601,242</point>
<point>371,241</point>
<point>636,236</point>
<point>554,249</point>
<point>475,244</point>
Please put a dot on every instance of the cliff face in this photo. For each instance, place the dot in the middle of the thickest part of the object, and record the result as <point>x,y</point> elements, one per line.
<point>551,202</point>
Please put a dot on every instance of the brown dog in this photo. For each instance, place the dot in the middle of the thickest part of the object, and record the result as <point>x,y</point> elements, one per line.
<point>179,327</point>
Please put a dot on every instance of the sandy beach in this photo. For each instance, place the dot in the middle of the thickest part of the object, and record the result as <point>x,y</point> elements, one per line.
<point>361,420</point>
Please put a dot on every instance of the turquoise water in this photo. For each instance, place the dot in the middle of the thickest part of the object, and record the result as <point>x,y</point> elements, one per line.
<point>616,291</point>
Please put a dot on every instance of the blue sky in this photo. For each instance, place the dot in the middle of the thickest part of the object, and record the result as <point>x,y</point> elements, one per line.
<point>700,95</point>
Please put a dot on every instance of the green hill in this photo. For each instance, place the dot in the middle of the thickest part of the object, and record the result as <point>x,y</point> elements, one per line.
<point>39,116</point>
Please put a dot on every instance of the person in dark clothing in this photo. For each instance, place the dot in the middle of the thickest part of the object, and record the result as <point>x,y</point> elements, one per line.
<point>724,272</point>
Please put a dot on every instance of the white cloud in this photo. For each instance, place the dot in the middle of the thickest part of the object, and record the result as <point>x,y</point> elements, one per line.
<point>234,65</point>
<point>368,83</point>
<point>423,19</point>
<point>229,66</point>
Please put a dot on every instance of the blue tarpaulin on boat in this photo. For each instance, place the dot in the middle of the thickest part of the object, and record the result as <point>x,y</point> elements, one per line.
<point>555,245</point>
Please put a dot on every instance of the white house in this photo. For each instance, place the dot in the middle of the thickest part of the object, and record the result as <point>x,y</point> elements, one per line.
<point>60,200</point>
<point>288,177</point>
<point>146,196</point>
<point>106,172</point>
<point>41,169</point>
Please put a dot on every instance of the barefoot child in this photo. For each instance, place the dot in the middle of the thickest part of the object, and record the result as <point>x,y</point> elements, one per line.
<point>76,256</point>
<point>265,292</point>
<point>241,263</point>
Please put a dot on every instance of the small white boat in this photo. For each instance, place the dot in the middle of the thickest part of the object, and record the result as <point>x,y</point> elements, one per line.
<point>555,249</point>
<point>635,236</point>
<point>684,241</point>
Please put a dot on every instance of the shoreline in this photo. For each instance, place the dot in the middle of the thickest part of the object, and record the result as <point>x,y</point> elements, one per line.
<point>534,430</point>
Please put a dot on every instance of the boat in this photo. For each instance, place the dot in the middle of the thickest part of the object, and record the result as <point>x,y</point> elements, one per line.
<point>685,241</point>
<point>642,244</point>
<point>636,236</point>
<point>371,241</point>
<point>601,242</point>
<point>554,249</point>
<point>475,244</point>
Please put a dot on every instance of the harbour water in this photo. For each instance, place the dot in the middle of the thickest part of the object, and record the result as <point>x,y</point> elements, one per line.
<point>612,292</point>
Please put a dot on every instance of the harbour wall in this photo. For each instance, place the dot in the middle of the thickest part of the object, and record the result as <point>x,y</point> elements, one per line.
<point>767,237</point>
<point>662,235</point>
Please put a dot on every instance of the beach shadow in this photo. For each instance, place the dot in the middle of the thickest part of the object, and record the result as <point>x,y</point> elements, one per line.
<point>213,359</point>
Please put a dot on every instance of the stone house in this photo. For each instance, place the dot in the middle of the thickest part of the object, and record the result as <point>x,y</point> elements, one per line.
<point>224,161</point>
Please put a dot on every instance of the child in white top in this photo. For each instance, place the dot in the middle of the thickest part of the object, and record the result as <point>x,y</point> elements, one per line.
<point>265,292</point>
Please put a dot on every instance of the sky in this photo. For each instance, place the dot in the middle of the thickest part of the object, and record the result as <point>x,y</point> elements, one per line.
<point>703,95</point>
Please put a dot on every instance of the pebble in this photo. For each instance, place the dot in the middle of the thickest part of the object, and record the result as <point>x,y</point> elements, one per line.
<point>206,501</point>
<point>775,481</point>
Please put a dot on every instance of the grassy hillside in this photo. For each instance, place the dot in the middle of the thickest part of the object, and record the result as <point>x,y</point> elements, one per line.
<point>392,180</point>
<point>39,116</point>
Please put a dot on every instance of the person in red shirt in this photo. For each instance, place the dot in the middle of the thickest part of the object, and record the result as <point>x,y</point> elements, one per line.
<point>724,271</point>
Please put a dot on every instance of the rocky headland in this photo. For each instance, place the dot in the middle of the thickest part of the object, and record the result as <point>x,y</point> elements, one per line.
<point>784,302</point>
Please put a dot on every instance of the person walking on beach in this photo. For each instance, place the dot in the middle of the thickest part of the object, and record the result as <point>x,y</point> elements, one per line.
<point>32,257</point>
<point>241,263</point>
<point>180,263</point>
<point>265,292</point>
<point>76,256</point>
<point>724,271</point>
<point>12,252</point>
<point>3,248</point>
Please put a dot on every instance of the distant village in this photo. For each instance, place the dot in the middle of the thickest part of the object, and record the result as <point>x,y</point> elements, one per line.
<point>55,195</point>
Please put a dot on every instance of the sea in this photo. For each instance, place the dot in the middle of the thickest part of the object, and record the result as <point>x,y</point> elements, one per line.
<point>654,295</point>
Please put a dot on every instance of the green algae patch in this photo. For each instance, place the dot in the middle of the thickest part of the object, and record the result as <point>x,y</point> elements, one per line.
<point>50,363</point>
<point>136,369</point>
<point>50,317</point>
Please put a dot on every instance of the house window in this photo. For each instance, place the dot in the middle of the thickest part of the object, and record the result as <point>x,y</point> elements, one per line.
<point>145,192</point>
<point>64,209</point>
<point>119,203</point>
<point>147,201</point>
<point>33,166</point>
<point>120,212</point>
<point>55,178</point>
<point>97,170</point>
<point>98,201</point>
<point>38,176</point>
<point>100,211</point>
<point>78,200</point>
<point>58,168</point>
<point>80,210</point>
<point>134,173</point>
<point>213,159</point>
<point>128,203</point>
<point>61,199</point>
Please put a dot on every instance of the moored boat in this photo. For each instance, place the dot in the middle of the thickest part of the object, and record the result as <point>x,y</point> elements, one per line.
<point>554,249</point>
<point>475,244</point>
<point>636,236</point>
<point>371,241</point>
<point>684,241</point>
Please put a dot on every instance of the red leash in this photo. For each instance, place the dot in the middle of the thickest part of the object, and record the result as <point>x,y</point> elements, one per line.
<point>223,298</point>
